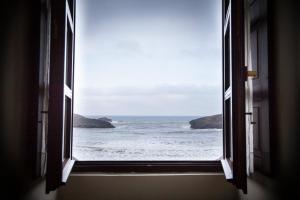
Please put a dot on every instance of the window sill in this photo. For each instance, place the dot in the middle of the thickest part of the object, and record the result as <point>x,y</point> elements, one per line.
<point>147,166</point>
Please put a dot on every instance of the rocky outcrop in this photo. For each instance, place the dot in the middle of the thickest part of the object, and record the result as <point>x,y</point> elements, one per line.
<point>105,119</point>
<point>214,121</point>
<point>84,122</point>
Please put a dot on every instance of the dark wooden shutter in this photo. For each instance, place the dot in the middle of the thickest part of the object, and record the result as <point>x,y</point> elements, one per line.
<point>59,145</point>
<point>234,162</point>
<point>261,110</point>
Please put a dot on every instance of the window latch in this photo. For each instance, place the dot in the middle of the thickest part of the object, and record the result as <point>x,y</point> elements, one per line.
<point>249,73</point>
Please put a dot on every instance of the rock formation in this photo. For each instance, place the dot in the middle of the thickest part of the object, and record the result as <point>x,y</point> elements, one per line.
<point>84,122</point>
<point>214,121</point>
<point>105,119</point>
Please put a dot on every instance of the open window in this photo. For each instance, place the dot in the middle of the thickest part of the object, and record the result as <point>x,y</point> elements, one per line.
<point>142,70</point>
<point>234,136</point>
<point>59,147</point>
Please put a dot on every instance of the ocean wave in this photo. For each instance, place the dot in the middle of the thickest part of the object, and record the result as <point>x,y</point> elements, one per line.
<point>147,140</point>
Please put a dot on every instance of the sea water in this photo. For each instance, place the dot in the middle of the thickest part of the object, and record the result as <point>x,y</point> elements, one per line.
<point>149,138</point>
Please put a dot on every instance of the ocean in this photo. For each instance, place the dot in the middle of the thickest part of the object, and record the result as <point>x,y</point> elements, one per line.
<point>147,138</point>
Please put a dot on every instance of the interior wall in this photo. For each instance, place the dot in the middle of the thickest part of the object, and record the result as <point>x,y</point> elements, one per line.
<point>285,143</point>
<point>285,109</point>
<point>285,61</point>
<point>37,192</point>
<point>147,187</point>
<point>18,109</point>
<point>17,117</point>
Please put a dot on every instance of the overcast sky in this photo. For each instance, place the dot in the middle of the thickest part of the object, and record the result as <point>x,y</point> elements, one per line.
<point>148,57</point>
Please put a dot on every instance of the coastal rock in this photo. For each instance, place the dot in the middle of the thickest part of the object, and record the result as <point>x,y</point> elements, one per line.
<point>214,121</point>
<point>84,122</point>
<point>105,119</point>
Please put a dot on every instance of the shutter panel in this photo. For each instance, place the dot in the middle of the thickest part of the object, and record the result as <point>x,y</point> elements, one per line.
<point>234,162</point>
<point>59,145</point>
<point>261,110</point>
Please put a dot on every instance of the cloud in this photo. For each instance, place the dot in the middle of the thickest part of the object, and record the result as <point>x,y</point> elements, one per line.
<point>158,100</point>
<point>140,57</point>
<point>129,45</point>
<point>170,89</point>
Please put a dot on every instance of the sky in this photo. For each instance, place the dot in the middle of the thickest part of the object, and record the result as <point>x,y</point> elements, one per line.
<point>142,57</point>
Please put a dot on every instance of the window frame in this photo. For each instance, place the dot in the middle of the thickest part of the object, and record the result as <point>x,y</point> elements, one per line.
<point>60,114</point>
<point>234,137</point>
<point>58,171</point>
<point>147,166</point>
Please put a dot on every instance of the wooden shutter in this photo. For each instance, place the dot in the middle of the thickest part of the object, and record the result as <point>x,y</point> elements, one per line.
<point>261,110</point>
<point>234,162</point>
<point>59,145</point>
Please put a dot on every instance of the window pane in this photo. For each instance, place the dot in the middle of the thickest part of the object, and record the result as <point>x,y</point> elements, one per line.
<point>149,68</point>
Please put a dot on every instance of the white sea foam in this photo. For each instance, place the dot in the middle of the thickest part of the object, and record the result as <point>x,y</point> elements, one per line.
<point>148,138</point>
